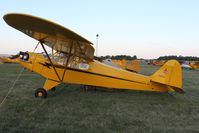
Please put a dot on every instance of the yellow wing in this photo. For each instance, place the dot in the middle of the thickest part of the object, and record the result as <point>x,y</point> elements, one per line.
<point>53,35</point>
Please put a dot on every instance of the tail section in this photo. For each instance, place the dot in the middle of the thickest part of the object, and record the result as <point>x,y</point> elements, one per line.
<point>170,74</point>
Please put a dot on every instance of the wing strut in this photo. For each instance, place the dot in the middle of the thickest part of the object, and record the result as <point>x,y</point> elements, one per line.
<point>41,42</point>
<point>69,55</point>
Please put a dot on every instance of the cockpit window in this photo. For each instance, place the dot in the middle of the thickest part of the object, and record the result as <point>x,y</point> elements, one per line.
<point>73,62</point>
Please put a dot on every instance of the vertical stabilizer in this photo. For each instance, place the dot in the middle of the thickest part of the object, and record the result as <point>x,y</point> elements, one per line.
<point>169,74</point>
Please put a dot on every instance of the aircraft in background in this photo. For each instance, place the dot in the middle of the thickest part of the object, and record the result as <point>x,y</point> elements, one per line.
<point>130,65</point>
<point>186,66</point>
<point>72,61</point>
<point>194,64</point>
<point>10,59</point>
<point>156,62</point>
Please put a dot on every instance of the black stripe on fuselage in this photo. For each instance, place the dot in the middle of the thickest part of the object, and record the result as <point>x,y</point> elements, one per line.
<point>78,70</point>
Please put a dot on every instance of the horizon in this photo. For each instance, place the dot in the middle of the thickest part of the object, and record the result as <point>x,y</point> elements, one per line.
<point>8,55</point>
<point>142,28</point>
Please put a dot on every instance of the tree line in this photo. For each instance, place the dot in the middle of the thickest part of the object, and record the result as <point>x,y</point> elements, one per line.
<point>169,57</point>
<point>119,57</point>
<point>179,58</point>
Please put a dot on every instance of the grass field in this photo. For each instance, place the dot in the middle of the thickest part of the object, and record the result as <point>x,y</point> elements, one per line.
<point>71,109</point>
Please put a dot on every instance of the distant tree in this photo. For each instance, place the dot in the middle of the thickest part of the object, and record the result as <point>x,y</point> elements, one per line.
<point>119,57</point>
<point>134,57</point>
<point>179,58</point>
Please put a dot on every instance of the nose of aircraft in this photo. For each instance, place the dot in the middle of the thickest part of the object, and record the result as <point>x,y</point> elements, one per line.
<point>24,56</point>
<point>25,60</point>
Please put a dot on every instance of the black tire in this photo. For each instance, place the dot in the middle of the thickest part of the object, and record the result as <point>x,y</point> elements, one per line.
<point>40,92</point>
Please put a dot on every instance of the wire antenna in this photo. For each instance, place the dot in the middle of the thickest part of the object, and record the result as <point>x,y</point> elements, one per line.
<point>12,87</point>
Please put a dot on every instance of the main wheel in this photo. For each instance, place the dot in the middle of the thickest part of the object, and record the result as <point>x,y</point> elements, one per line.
<point>40,92</point>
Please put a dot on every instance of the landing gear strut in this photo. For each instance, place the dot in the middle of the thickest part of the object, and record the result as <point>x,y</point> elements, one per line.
<point>40,92</point>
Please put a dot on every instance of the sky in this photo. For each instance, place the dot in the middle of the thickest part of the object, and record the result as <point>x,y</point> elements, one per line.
<point>146,28</point>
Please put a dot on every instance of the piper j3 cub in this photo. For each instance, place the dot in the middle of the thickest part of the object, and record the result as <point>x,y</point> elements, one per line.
<point>72,61</point>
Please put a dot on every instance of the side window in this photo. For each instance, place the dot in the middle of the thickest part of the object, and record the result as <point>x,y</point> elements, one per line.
<point>75,61</point>
<point>78,63</point>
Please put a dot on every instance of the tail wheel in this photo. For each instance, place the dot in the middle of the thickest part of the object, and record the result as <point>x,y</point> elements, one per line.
<point>40,92</point>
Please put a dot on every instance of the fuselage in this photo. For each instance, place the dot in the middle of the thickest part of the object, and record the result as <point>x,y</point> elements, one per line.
<point>98,74</point>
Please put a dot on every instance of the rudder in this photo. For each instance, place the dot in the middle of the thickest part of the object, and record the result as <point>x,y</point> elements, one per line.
<point>170,74</point>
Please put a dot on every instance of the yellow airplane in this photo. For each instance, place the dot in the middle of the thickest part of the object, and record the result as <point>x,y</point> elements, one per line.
<point>159,62</point>
<point>133,65</point>
<point>191,65</point>
<point>156,62</point>
<point>194,64</point>
<point>74,61</point>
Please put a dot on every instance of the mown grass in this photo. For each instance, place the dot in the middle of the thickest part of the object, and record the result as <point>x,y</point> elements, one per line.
<point>71,109</point>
